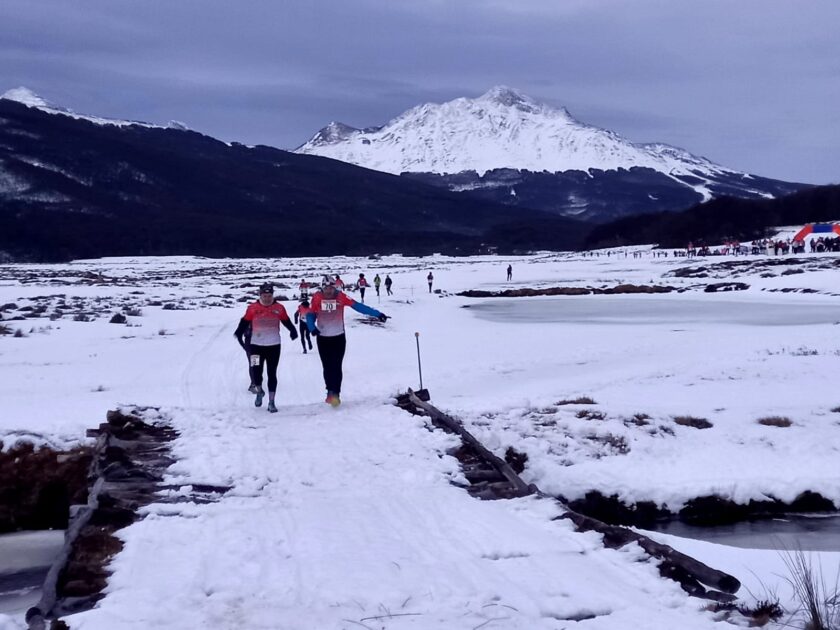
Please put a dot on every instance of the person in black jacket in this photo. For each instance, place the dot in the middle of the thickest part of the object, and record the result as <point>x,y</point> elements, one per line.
<point>243,336</point>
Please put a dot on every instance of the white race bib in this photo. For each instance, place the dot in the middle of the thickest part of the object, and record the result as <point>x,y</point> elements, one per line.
<point>329,305</point>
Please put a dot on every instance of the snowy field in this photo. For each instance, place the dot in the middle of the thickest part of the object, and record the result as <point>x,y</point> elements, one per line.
<point>347,519</point>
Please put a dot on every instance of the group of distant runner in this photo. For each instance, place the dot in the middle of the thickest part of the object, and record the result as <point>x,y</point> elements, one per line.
<point>258,332</point>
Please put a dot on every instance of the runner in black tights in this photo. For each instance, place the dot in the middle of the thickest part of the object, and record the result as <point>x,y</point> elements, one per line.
<point>265,316</point>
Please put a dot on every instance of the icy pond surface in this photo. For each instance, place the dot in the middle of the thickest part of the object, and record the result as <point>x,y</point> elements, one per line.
<point>25,558</point>
<point>806,532</point>
<point>654,310</point>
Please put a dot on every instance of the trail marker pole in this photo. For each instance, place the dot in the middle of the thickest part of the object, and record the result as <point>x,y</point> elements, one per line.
<point>419,365</point>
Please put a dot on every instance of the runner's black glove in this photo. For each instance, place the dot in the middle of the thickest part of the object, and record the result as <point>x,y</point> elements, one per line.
<point>382,317</point>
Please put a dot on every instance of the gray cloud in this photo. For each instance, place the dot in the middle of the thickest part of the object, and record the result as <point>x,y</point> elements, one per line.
<point>751,84</point>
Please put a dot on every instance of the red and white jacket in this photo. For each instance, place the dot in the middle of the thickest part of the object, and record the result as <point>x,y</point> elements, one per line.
<point>265,323</point>
<point>330,313</point>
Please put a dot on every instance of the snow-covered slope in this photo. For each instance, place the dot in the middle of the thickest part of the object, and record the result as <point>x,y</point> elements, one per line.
<point>500,129</point>
<point>27,97</point>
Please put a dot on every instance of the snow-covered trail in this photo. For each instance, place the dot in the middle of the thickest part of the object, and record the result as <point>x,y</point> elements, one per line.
<point>345,519</point>
<point>338,516</point>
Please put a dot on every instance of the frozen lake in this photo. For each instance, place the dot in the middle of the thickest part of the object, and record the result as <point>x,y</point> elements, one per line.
<point>25,558</point>
<point>653,310</point>
<point>805,532</point>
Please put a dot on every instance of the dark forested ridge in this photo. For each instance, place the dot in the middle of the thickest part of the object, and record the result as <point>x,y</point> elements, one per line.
<point>599,196</point>
<point>71,188</point>
<point>720,219</point>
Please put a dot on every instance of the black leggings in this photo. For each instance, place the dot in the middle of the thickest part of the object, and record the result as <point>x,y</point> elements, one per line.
<point>260,355</point>
<point>304,335</point>
<point>331,350</point>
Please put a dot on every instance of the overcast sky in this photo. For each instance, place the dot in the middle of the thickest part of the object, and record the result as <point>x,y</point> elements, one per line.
<point>750,84</point>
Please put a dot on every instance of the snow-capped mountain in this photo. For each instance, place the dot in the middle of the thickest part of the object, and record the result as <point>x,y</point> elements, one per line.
<point>27,97</point>
<point>487,138</point>
<point>500,129</point>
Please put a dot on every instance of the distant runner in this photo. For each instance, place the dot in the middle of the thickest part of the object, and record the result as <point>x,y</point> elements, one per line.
<point>388,283</point>
<point>326,322</point>
<point>362,284</point>
<point>300,319</point>
<point>510,272</point>
<point>303,289</point>
<point>376,282</point>
<point>243,336</point>
<point>265,316</point>
<point>430,279</point>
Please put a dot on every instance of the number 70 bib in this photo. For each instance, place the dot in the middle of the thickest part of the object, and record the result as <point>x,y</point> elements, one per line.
<point>329,305</point>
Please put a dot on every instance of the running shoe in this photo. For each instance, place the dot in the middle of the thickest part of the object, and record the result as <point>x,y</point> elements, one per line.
<point>272,408</point>
<point>333,399</point>
<point>258,400</point>
<point>252,389</point>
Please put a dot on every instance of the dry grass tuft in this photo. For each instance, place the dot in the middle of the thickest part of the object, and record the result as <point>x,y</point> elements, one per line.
<point>582,400</point>
<point>775,421</point>
<point>615,443</point>
<point>762,612</point>
<point>639,419</point>
<point>691,421</point>
<point>819,602</point>
<point>586,414</point>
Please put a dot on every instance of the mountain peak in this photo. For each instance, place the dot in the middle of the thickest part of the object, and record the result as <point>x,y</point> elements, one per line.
<point>331,134</point>
<point>25,96</point>
<point>505,95</point>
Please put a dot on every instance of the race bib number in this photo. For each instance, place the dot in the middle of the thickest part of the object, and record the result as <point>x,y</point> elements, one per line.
<point>255,360</point>
<point>329,305</point>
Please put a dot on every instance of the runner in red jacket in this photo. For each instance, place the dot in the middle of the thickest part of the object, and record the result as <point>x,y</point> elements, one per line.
<point>362,284</point>
<point>265,316</point>
<point>326,321</point>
